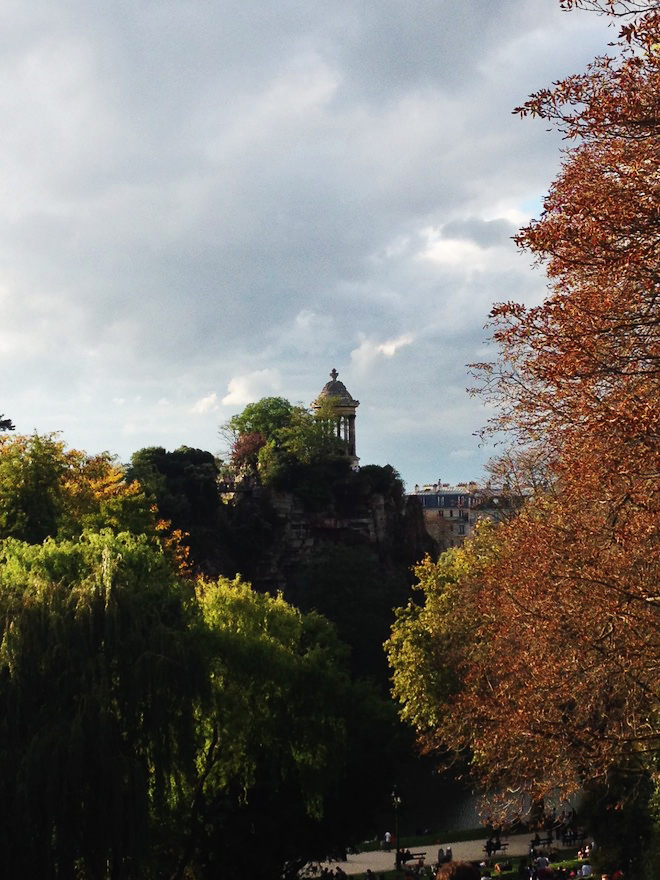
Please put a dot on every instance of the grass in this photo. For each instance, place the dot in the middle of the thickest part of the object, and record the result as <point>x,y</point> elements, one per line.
<point>569,864</point>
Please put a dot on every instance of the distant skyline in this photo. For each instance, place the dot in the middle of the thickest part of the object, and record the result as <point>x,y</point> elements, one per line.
<point>205,204</point>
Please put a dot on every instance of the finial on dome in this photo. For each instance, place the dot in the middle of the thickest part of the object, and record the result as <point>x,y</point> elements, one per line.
<point>334,374</point>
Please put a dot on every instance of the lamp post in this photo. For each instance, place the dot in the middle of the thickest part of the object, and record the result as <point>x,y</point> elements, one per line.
<point>396,803</point>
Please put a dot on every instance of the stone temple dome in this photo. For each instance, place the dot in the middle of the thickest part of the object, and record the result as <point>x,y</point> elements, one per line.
<point>337,390</point>
<point>343,409</point>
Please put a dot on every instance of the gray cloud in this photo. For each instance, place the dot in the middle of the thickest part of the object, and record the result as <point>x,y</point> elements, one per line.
<point>205,201</point>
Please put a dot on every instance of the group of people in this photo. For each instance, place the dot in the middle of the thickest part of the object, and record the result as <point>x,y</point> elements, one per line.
<point>403,856</point>
<point>493,844</point>
<point>470,871</point>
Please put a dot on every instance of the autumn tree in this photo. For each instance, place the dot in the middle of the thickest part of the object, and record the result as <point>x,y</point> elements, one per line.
<point>556,680</point>
<point>48,490</point>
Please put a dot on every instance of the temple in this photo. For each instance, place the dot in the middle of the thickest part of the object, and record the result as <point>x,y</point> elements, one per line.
<point>343,406</point>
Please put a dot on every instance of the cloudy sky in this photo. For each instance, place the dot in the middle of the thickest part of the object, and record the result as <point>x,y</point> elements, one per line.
<point>205,203</point>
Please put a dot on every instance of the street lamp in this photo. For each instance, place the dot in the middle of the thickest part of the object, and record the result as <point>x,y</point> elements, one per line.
<point>396,803</point>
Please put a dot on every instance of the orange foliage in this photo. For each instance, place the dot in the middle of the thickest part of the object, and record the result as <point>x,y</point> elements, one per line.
<point>565,684</point>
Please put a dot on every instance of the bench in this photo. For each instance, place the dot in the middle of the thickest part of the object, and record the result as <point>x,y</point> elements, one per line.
<point>401,858</point>
<point>492,846</point>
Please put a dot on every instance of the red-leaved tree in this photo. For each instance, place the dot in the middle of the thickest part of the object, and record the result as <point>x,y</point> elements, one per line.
<point>555,680</point>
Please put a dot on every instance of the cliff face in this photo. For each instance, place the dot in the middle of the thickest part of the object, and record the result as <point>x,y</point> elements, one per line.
<point>287,535</point>
<point>350,558</point>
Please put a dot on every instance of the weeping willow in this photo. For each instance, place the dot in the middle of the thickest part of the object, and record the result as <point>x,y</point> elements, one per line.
<point>100,684</point>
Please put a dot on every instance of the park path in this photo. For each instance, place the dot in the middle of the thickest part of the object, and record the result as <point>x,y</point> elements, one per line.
<point>462,850</point>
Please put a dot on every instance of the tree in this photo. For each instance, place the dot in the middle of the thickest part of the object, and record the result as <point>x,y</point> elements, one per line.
<point>183,486</point>
<point>277,441</point>
<point>356,590</point>
<point>153,726</point>
<point>47,490</point>
<point>433,642</point>
<point>6,424</point>
<point>578,379</point>
<point>275,732</point>
<point>100,681</point>
<point>31,486</point>
<point>267,416</point>
<point>554,679</point>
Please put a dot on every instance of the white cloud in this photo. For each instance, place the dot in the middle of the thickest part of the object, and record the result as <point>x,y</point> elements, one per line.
<point>370,352</point>
<point>206,404</point>
<point>390,347</point>
<point>251,387</point>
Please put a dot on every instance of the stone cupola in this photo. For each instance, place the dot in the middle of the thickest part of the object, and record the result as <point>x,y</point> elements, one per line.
<point>344,407</point>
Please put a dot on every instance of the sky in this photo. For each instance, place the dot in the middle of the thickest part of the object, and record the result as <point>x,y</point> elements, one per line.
<point>206,203</point>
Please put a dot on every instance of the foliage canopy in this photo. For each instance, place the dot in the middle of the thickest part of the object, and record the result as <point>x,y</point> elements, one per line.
<point>276,440</point>
<point>553,677</point>
<point>140,710</point>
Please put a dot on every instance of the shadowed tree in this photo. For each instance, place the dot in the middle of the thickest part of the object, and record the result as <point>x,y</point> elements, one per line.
<point>99,683</point>
<point>148,722</point>
<point>183,485</point>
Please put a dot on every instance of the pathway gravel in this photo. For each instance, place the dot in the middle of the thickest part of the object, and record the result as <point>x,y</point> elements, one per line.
<point>462,850</point>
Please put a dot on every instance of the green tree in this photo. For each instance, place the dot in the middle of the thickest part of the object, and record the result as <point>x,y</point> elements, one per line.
<point>357,591</point>
<point>275,733</point>
<point>278,441</point>
<point>183,485</point>
<point>433,641</point>
<point>99,684</point>
<point>47,490</point>
<point>153,726</point>
<point>267,416</point>
<point>31,486</point>
<point>6,424</point>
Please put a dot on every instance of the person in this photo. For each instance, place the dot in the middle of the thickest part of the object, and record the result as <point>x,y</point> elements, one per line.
<point>388,841</point>
<point>458,871</point>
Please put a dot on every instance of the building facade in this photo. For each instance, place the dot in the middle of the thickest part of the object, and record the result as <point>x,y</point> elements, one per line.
<point>451,513</point>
